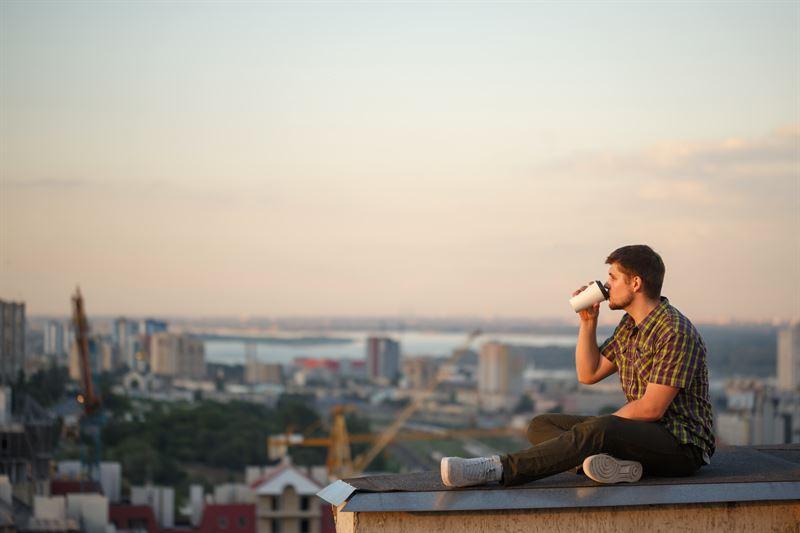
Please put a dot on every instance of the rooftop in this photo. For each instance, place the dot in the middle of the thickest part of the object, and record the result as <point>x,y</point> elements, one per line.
<point>736,474</point>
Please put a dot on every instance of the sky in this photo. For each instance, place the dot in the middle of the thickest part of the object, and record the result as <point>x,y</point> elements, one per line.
<point>421,159</point>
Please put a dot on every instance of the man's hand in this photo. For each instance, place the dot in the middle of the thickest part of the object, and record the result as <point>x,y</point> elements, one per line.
<point>590,364</point>
<point>589,314</point>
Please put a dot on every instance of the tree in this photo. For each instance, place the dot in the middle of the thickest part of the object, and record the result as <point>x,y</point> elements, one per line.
<point>524,405</point>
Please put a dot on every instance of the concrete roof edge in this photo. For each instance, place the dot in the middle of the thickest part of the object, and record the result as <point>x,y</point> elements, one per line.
<point>561,498</point>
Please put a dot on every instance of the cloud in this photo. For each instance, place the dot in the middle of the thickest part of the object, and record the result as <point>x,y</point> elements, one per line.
<point>726,171</point>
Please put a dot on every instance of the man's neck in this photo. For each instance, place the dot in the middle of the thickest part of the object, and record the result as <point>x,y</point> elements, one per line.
<point>640,308</point>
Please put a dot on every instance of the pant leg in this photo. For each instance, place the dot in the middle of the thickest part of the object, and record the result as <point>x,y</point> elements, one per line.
<point>551,425</point>
<point>647,442</point>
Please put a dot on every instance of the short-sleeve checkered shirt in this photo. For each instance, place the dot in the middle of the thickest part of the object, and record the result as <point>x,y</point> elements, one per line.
<point>666,348</point>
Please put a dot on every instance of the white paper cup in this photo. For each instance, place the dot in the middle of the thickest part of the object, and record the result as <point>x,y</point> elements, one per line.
<point>594,293</point>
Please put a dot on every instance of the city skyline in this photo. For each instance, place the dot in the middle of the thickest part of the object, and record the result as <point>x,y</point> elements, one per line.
<point>352,160</point>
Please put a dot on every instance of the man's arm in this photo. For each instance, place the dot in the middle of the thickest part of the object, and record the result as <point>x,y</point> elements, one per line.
<point>652,405</point>
<point>590,364</point>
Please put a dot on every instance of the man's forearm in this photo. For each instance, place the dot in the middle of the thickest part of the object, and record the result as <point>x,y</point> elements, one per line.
<point>639,410</point>
<point>587,353</point>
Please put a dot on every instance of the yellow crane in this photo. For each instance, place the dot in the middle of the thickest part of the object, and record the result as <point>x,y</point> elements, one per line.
<point>340,463</point>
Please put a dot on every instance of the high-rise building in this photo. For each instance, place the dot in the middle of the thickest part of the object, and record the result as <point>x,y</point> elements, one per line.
<point>176,355</point>
<point>100,358</point>
<point>54,338</point>
<point>789,357</point>
<point>151,326</point>
<point>383,359</point>
<point>12,340</point>
<point>126,340</point>
<point>69,337</point>
<point>419,372</point>
<point>499,376</point>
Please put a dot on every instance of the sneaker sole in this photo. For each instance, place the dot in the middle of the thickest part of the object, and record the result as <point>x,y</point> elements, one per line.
<point>606,469</point>
<point>443,471</point>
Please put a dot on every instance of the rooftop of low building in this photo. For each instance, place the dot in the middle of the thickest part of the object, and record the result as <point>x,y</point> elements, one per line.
<point>736,474</point>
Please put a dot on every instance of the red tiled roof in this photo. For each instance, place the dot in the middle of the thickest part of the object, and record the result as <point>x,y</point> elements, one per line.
<point>236,518</point>
<point>60,487</point>
<point>122,515</point>
<point>330,364</point>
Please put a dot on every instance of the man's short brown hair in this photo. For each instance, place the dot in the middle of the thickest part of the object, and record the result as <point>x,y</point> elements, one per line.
<point>640,260</point>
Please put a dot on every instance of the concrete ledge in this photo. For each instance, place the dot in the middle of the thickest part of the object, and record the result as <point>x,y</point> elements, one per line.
<point>744,489</point>
<point>572,497</point>
<point>743,516</point>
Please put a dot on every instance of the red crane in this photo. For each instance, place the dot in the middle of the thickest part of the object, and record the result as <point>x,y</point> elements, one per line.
<point>90,401</point>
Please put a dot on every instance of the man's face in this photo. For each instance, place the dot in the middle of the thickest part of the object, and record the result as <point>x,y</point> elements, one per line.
<point>620,291</point>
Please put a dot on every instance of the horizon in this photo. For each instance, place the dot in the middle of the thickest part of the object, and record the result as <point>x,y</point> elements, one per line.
<point>409,322</point>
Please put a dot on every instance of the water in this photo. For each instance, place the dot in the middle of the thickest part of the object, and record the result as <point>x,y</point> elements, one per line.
<point>412,343</point>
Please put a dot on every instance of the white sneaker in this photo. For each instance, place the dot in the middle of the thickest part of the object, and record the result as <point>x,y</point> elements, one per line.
<point>458,472</point>
<point>606,469</point>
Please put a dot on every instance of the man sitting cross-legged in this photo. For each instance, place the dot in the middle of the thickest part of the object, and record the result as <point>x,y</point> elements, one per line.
<point>665,427</point>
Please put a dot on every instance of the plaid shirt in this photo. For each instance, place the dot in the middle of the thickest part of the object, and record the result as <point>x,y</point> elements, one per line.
<point>666,349</point>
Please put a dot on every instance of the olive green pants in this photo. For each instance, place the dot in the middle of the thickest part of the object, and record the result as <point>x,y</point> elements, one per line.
<point>561,442</point>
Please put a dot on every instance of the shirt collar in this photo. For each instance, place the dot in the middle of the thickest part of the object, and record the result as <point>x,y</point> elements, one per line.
<point>649,320</point>
<point>652,317</point>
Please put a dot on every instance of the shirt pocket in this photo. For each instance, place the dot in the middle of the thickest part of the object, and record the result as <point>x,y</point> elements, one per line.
<point>643,362</point>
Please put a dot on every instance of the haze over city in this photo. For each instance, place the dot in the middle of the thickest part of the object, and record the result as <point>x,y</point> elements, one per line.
<point>396,159</point>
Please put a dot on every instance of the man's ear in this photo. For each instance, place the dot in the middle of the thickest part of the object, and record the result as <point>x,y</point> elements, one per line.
<point>636,284</point>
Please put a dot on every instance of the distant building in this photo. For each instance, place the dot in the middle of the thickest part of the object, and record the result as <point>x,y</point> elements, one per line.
<point>500,377</point>
<point>54,338</point>
<point>160,499</point>
<point>126,340</point>
<point>232,493</point>
<point>27,446</point>
<point>257,372</point>
<point>286,500</point>
<point>420,372</point>
<point>12,340</point>
<point>177,355</point>
<point>383,359</point>
<point>69,338</point>
<point>789,358</point>
<point>240,518</point>
<point>757,414</point>
<point>101,358</point>
<point>353,368</point>
<point>139,518</point>
<point>111,480</point>
<point>319,372</point>
<point>151,326</point>
<point>73,511</point>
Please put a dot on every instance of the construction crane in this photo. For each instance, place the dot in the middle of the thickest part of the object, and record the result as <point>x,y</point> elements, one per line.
<point>90,401</point>
<point>339,460</point>
<point>92,421</point>
<point>339,463</point>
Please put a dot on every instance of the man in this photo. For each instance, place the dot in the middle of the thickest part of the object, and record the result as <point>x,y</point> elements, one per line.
<point>663,429</point>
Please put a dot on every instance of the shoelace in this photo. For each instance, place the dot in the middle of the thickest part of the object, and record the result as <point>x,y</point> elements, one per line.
<point>479,469</point>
